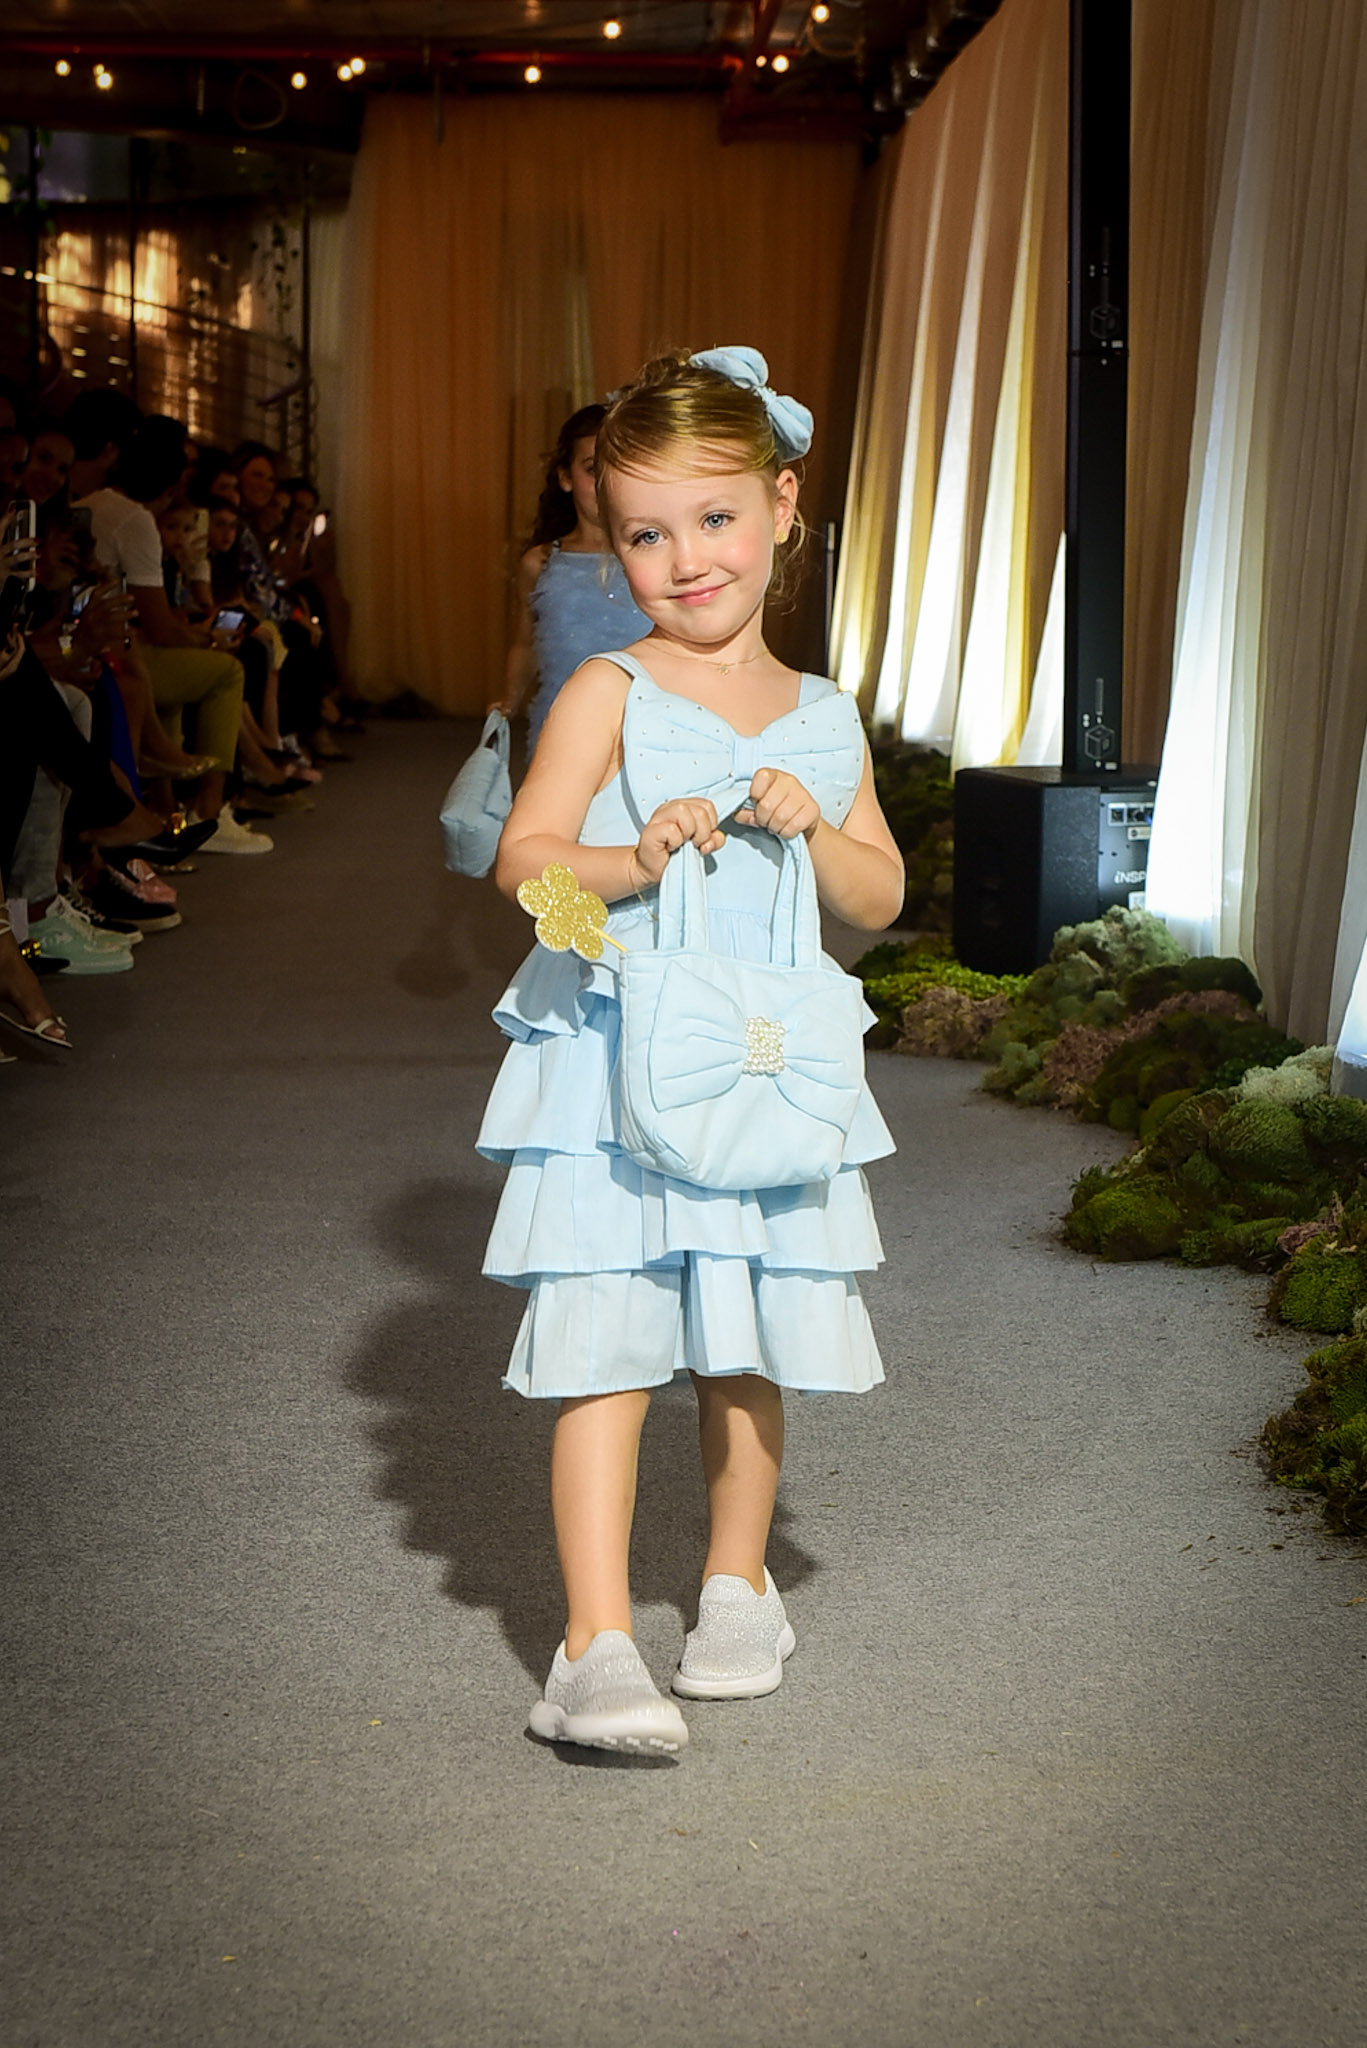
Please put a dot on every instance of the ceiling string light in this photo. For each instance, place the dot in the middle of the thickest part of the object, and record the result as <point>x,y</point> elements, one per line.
<point>532,74</point>
<point>104,79</point>
<point>612,29</point>
<point>780,62</point>
<point>62,68</point>
<point>357,66</point>
<point>299,80</point>
<point>344,73</point>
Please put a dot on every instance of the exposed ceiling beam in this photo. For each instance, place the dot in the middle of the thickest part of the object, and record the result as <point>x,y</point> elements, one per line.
<point>292,49</point>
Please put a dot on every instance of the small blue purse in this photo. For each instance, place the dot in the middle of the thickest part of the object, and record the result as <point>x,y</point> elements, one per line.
<point>478,802</point>
<point>737,1073</point>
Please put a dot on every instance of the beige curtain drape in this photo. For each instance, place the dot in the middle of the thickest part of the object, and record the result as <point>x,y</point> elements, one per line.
<point>527,262</point>
<point>955,500</point>
<point>1263,758</point>
<point>949,609</point>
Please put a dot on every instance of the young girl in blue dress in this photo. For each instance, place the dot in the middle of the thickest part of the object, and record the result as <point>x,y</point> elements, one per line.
<point>633,1276</point>
<point>573,599</point>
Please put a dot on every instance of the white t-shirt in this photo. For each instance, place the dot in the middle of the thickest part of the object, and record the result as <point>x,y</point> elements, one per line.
<point>126,537</point>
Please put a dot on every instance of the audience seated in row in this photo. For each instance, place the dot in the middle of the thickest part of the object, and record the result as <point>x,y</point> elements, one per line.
<point>167,675</point>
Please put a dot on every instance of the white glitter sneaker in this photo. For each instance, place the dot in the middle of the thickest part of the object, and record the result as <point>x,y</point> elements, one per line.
<point>738,1649</point>
<point>607,1700</point>
<point>231,837</point>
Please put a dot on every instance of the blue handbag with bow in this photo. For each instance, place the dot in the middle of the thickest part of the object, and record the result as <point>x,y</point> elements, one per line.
<point>738,1073</point>
<point>478,802</point>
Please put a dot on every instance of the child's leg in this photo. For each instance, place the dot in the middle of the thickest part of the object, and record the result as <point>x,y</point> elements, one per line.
<point>593,1499</point>
<point>740,1425</point>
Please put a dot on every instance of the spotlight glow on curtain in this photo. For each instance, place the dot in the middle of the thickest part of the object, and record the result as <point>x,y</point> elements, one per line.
<point>955,501</point>
<point>1254,849</point>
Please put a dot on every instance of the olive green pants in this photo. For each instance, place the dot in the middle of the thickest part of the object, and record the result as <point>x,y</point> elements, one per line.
<point>207,684</point>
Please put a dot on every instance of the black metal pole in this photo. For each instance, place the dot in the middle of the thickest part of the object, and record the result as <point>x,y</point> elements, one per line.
<point>35,264</point>
<point>1098,355</point>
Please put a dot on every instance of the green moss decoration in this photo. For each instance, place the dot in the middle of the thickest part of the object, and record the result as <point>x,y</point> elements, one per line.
<point>1149,986</point>
<point>1321,1288</point>
<point>916,790</point>
<point>1016,1065</point>
<point>1121,942</point>
<point>1261,1141</point>
<point>1337,1126</point>
<point>1178,1049</point>
<point>1126,1219</point>
<point>1319,1444</point>
<point>897,975</point>
<point>1252,1185</point>
<point>1159,1110</point>
<point>1183,1137</point>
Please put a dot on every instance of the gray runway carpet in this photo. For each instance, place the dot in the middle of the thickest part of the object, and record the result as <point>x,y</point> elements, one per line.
<point>1071,1752</point>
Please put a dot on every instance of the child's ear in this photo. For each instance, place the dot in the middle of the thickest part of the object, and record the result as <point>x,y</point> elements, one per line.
<point>785,504</point>
<point>566,480</point>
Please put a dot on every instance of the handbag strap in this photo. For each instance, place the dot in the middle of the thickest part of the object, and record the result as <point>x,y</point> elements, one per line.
<point>497,729</point>
<point>795,927</point>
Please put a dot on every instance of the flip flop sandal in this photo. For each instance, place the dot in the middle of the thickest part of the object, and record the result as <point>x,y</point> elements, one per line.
<point>44,1030</point>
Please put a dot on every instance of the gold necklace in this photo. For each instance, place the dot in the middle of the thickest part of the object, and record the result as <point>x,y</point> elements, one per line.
<point>723,668</point>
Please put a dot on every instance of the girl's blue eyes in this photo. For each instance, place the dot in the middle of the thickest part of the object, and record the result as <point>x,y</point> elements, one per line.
<point>713,522</point>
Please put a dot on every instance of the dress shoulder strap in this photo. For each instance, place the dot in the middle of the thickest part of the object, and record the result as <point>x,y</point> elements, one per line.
<point>811,689</point>
<point>628,663</point>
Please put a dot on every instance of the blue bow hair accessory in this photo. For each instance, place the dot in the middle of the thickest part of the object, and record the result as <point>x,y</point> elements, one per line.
<point>789,418</point>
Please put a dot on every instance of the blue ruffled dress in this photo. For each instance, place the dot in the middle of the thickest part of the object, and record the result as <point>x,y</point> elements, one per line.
<point>634,1276</point>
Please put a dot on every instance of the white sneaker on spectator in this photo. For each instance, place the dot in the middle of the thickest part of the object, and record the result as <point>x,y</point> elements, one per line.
<point>230,837</point>
<point>70,910</point>
<point>73,895</point>
<point>65,935</point>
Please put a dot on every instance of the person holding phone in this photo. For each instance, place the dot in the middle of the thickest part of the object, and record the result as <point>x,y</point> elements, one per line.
<point>185,670</point>
<point>185,570</point>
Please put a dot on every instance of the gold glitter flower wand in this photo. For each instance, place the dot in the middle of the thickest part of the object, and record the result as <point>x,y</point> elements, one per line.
<point>568,918</point>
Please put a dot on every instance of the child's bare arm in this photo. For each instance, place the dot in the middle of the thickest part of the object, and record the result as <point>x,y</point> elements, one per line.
<point>859,873</point>
<point>578,753</point>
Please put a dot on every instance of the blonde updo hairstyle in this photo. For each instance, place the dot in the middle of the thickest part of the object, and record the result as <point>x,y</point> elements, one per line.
<point>679,414</point>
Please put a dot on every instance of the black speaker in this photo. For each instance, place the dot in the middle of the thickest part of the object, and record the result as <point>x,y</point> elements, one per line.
<point>1036,848</point>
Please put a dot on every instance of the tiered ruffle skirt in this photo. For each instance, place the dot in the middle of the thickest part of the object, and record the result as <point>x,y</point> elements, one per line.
<point>632,1276</point>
